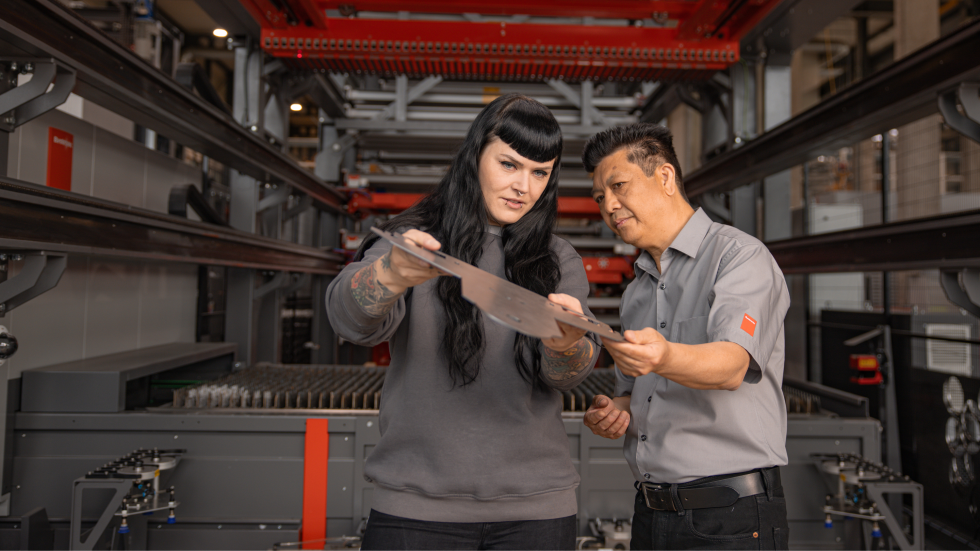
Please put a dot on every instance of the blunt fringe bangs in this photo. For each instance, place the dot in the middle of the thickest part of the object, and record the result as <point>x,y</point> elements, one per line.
<point>648,146</point>
<point>456,215</point>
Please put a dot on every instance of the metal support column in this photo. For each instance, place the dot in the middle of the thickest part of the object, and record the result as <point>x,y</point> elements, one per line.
<point>776,188</point>
<point>326,232</point>
<point>744,90</point>
<point>241,311</point>
<point>886,172</point>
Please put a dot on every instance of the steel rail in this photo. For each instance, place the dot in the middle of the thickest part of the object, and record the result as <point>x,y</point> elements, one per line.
<point>948,241</point>
<point>119,80</point>
<point>905,91</point>
<point>34,217</point>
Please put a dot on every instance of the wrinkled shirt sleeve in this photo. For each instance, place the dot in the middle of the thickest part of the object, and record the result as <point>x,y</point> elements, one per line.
<point>348,318</point>
<point>750,303</point>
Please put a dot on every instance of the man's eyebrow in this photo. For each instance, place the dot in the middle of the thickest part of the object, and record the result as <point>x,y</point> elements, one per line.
<point>613,176</point>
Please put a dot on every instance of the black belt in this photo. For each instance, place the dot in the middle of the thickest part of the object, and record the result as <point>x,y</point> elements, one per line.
<point>721,492</point>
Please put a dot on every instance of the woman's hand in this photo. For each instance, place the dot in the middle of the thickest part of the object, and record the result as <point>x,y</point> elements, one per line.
<point>399,270</point>
<point>377,286</point>
<point>570,335</point>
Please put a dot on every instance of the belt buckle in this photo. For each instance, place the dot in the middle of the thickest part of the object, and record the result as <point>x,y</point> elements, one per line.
<point>658,499</point>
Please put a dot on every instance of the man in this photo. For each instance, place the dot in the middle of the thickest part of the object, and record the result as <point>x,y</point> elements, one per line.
<point>698,382</point>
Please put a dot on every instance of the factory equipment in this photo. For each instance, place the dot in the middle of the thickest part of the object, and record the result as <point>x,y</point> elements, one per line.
<point>861,487</point>
<point>263,423</point>
<point>134,480</point>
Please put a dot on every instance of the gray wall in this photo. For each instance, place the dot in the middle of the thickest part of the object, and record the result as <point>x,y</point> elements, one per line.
<point>102,305</point>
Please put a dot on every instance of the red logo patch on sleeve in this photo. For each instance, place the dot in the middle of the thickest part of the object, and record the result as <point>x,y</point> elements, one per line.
<point>748,325</point>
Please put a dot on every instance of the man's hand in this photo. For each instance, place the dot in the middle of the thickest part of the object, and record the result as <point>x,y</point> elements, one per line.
<point>643,352</point>
<point>609,418</point>
<point>570,335</point>
<point>398,270</point>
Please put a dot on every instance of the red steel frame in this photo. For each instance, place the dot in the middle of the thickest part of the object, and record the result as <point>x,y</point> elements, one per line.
<point>705,39</point>
<point>363,202</point>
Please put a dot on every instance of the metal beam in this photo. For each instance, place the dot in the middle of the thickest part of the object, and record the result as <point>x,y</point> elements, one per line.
<point>117,79</point>
<point>404,96</point>
<point>36,217</point>
<point>940,242</point>
<point>452,127</point>
<point>321,90</point>
<point>232,16</point>
<point>903,92</point>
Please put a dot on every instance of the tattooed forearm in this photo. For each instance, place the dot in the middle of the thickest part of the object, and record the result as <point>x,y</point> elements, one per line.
<point>370,293</point>
<point>564,365</point>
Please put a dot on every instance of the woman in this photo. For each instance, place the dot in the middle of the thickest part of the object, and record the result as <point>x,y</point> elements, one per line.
<point>473,452</point>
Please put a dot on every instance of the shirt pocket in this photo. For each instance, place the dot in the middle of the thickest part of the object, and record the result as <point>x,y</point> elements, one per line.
<point>690,331</point>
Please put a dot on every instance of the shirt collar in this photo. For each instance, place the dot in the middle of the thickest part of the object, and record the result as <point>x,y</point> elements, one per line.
<point>688,241</point>
<point>692,235</point>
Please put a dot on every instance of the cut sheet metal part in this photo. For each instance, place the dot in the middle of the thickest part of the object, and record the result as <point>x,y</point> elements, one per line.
<point>507,303</point>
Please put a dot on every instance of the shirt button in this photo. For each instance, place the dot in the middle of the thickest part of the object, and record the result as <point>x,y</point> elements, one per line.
<point>649,398</point>
<point>663,324</point>
<point>663,286</point>
<point>646,476</point>
<point>643,438</point>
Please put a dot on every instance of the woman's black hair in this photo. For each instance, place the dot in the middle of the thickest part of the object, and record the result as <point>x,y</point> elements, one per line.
<point>456,215</point>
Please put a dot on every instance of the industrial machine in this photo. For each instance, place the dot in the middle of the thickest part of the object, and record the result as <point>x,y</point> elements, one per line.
<point>134,481</point>
<point>275,453</point>
<point>862,488</point>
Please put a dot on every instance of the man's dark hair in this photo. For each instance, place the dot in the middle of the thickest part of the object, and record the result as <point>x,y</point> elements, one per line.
<point>648,146</point>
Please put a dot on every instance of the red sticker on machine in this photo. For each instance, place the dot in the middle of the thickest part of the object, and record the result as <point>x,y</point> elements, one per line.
<point>748,325</point>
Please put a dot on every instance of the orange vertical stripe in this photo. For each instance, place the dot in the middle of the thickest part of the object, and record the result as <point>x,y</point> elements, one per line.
<point>315,458</point>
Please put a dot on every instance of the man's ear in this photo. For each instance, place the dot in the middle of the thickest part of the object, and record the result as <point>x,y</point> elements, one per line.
<point>668,177</point>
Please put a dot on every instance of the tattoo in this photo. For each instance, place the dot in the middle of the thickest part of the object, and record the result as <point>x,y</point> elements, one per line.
<point>371,294</point>
<point>567,364</point>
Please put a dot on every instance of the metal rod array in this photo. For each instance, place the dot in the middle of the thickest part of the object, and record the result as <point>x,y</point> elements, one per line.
<point>288,387</point>
<point>800,401</point>
<point>330,387</point>
<point>359,388</point>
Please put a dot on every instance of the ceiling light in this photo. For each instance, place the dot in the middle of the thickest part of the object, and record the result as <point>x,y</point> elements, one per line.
<point>296,107</point>
<point>220,33</point>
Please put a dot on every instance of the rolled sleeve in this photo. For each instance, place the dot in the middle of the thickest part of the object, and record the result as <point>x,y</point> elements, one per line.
<point>750,303</point>
<point>574,283</point>
<point>348,318</point>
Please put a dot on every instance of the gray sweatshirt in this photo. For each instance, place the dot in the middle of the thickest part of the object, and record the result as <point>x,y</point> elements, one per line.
<point>494,450</point>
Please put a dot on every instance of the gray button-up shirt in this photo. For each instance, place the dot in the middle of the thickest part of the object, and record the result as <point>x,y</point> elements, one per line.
<point>717,284</point>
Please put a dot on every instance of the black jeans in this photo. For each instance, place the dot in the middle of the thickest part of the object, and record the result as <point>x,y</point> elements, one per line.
<point>390,532</point>
<point>753,522</point>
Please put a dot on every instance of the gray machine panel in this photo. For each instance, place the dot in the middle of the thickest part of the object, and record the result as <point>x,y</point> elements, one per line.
<point>99,384</point>
<point>246,470</point>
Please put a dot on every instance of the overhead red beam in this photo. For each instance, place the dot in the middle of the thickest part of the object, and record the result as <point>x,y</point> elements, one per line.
<point>500,50</point>
<point>610,9</point>
<point>367,202</point>
<point>266,13</point>
<point>746,19</point>
<point>726,19</point>
<point>313,13</point>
